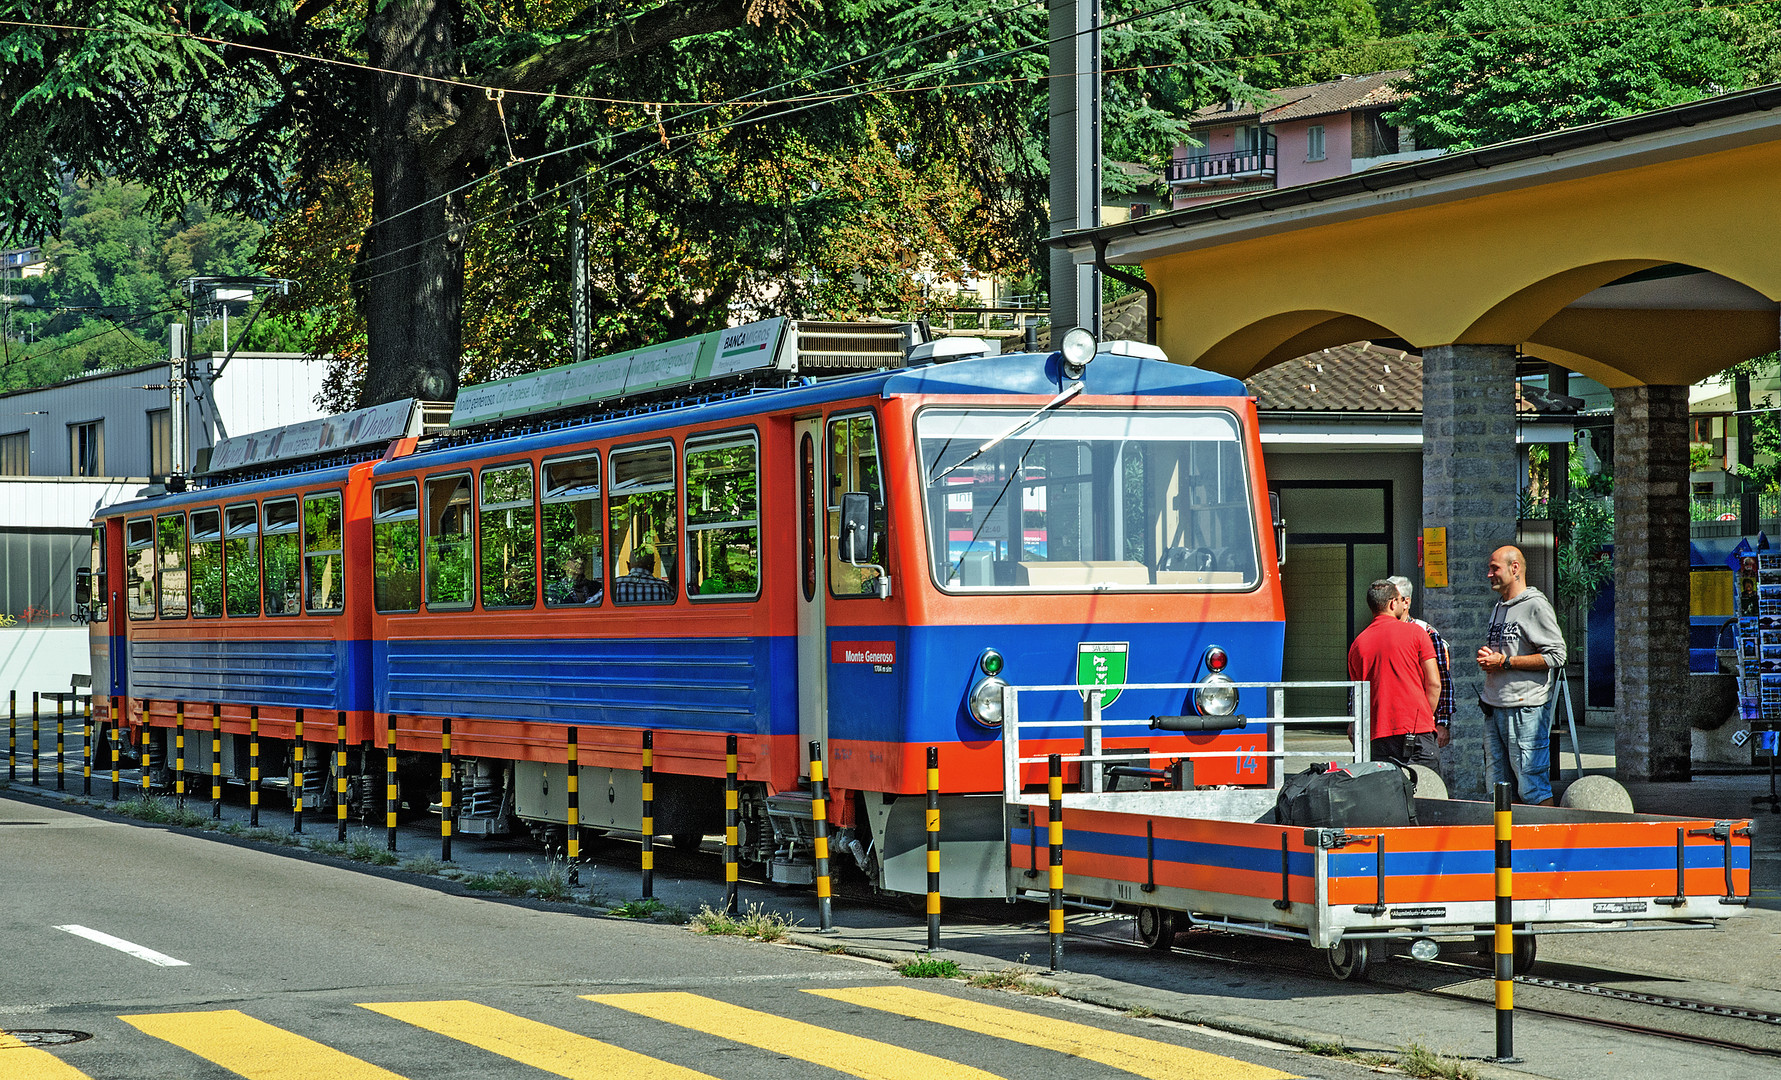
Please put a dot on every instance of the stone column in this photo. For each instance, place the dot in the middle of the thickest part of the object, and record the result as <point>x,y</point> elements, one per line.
<point>1651,724</point>
<point>1469,473</point>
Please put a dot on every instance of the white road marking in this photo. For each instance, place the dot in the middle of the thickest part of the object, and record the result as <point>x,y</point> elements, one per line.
<point>118,943</point>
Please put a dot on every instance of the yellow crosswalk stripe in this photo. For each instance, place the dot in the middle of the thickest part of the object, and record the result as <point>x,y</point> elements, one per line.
<point>864,1058</point>
<point>254,1048</point>
<point>531,1043</point>
<point>21,1062</point>
<point>1149,1058</point>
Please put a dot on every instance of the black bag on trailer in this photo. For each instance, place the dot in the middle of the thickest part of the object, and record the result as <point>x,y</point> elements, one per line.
<point>1356,795</point>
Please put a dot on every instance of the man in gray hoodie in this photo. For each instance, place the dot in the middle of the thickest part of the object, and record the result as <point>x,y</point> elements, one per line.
<point>1522,650</point>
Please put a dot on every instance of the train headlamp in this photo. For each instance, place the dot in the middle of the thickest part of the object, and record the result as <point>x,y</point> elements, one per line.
<point>985,700</point>
<point>1218,697</point>
<point>1078,350</point>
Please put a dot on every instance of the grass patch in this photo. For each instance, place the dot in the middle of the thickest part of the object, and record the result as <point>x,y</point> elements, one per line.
<point>159,811</point>
<point>1139,1012</point>
<point>836,950</point>
<point>502,882</point>
<point>271,836</point>
<point>425,864</point>
<point>1419,1061</point>
<point>1015,980</point>
<point>639,909</point>
<point>553,883</point>
<point>929,968</point>
<point>755,923</point>
<point>366,852</point>
<point>328,847</point>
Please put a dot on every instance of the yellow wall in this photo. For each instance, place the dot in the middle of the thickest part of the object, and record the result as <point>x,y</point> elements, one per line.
<point>1498,269</point>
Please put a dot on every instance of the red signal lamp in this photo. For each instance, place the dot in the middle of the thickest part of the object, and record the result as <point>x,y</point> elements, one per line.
<point>1216,659</point>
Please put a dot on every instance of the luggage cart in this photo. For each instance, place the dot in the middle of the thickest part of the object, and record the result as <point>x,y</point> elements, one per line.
<point>1140,835</point>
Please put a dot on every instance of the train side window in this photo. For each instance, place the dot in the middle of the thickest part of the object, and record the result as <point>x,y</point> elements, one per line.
<point>396,547</point>
<point>507,525</point>
<point>449,569</point>
<point>170,564</point>
<point>96,605</point>
<point>207,564</point>
<point>278,552</point>
<point>241,560</point>
<point>139,568</point>
<point>853,466</point>
<point>574,571</point>
<point>324,584</point>
<point>723,527</point>
<point>645,525</point>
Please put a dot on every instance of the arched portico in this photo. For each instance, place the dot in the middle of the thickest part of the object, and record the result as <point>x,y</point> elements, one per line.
<point>1641,252</point>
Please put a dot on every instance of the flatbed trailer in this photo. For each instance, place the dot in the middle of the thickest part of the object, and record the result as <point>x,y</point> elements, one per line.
<point>1217,857</point>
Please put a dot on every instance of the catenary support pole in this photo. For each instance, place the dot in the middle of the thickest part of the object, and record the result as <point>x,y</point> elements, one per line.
<point>1505,927</point>
<point>732,825</point>
<point>819,820</point>
<point>1054,825</point>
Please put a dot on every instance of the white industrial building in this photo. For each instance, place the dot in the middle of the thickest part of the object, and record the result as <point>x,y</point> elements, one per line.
<point>77,445</point>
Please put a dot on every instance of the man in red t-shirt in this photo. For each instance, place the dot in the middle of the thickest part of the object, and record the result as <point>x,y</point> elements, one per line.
<point>1397,660</point>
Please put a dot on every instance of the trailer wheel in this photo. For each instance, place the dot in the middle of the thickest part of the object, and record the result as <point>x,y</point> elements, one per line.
<point>1348,960</point>
<point>1156,928</point>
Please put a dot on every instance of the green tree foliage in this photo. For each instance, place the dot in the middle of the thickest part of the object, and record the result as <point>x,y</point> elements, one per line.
<point>1503,69</point>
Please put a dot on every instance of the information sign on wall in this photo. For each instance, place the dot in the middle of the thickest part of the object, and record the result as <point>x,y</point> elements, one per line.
<point>1434,558</point>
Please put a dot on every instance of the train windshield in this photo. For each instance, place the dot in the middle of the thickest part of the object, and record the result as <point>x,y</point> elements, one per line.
<point>1083,500</point>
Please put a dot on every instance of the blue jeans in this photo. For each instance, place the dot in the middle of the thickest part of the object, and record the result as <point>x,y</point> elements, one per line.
<point>1518,749</point>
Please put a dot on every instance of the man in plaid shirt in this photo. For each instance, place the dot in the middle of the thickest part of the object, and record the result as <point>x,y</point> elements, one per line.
<point>1444,710</point>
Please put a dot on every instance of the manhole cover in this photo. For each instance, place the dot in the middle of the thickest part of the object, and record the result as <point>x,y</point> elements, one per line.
<point>49,1038</point>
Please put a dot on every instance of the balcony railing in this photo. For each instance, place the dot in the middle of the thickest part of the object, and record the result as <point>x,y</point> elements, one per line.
<point>1222,168</point>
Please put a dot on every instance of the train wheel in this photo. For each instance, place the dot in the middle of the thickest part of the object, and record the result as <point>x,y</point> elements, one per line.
<point>1156,928</point>
<point>1348,960</point>
<point>1525,951</point>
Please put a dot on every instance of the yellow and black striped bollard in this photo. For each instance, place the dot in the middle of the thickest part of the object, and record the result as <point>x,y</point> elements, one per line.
<point>819,821</point>
<point>445,807</point>
<point>340,775</point>
<point>299,774</point>
<point>391,801</point>
<point>253,766</point>
<point>573,791</point>
<point>216,761</point>
<point>933,828</point>
<point>1054,824</point>
<point>116,752</point>
<point>86,748</point>
<point>732,825</point>
<point>143,761</point>
<point>649,815</point>
<point>36,737</point>
<point>12,735</point>
<point>61,743</point>
<point>179,753</point>
<point>1505,927</point>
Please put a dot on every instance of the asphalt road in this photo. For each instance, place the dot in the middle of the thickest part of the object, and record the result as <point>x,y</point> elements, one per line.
<point>227,960</point>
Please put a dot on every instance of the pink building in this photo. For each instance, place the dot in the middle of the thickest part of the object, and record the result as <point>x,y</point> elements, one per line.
<point>1297,135</point>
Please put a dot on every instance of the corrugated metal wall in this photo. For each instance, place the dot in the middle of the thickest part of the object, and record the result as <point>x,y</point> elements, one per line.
<point>37,576</point>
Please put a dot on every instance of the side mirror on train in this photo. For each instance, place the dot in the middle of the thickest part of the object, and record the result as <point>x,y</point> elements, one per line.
<point>856,540</point>
<point>83,586</point>
<point>1279,528</point>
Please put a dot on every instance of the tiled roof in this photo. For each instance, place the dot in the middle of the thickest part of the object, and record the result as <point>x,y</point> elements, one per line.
<point>1368,378</point>
<point>1301,102</point>
<point>1361,377</point>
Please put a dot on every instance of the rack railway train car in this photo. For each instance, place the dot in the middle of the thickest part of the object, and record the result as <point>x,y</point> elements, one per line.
<point>699,541</point>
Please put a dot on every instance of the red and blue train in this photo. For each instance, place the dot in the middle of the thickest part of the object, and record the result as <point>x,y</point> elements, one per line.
<point>855,562</point>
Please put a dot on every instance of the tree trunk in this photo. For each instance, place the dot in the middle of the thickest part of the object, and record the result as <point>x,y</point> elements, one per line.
<point>411,280</point>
